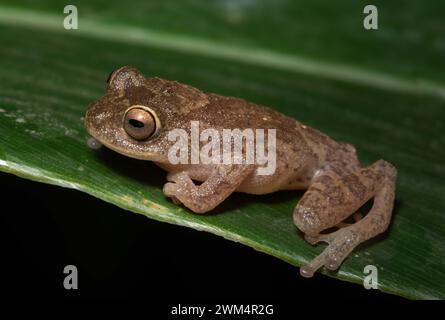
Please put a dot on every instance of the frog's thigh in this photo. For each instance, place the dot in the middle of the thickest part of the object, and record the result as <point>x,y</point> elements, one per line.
<point>224,180</point>
<point>341,243</point>
<point>330,199</point>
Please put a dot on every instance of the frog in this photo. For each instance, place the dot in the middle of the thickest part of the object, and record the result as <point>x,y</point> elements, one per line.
<point>137,113</point>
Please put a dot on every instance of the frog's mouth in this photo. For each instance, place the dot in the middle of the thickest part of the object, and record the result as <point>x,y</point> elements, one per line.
<point>123,146</point>
<point>140,155</point>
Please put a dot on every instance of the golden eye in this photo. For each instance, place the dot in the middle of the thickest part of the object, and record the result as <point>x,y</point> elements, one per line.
<point>139,123</point>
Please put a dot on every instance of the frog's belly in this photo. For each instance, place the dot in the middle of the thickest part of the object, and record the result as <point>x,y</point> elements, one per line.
<point>263,184</point>
<point>281,179</point>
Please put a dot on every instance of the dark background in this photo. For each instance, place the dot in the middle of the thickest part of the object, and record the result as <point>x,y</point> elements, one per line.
<point>120,254</point>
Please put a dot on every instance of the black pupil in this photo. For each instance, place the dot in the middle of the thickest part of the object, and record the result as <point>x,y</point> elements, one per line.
<point>135,123</point>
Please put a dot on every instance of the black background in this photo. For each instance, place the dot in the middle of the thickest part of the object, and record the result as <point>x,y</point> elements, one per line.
<point>120,254</point>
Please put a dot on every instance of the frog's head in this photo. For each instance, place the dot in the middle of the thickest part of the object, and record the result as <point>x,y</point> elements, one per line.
<point>136,114</point>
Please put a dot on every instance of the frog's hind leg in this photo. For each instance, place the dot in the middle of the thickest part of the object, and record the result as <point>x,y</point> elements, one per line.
<point>329,201</point>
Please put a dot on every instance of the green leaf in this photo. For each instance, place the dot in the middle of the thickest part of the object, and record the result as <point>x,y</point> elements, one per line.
<point>311,61</point>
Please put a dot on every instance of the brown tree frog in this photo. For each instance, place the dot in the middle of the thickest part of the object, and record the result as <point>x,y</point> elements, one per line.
<point>136,115</point>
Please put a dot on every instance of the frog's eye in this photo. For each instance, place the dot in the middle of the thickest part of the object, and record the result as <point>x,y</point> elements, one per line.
<point>140,123</point>
<point>124,78</point>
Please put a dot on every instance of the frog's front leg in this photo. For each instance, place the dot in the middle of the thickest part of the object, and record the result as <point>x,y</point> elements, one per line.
<point>335,195</point>
<point>224,180</point>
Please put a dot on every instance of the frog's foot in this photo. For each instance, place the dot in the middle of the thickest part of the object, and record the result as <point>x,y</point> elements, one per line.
<point>178,181</point>
<point>341,243</point>
<point>203,198</point>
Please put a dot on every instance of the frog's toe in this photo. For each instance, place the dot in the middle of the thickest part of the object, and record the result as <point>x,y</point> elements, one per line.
<point>333,262</point>
<point>324,259</point>
<point>341,243</point>
<point>170,190</point>
<point>308,270</point>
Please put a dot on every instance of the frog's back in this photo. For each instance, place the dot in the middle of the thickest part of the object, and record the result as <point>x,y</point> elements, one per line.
<point>231,113</point>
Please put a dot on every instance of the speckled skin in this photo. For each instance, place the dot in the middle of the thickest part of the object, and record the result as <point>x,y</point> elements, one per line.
<point>306,159</point>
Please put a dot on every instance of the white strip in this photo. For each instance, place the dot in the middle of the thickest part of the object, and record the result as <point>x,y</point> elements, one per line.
<point>37,173</point>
